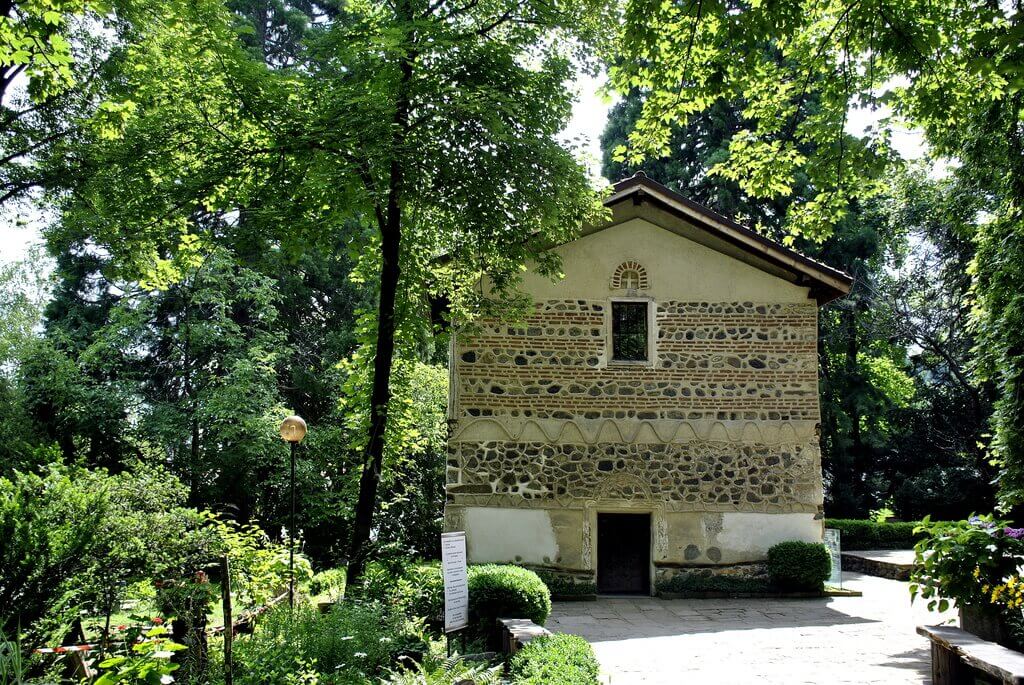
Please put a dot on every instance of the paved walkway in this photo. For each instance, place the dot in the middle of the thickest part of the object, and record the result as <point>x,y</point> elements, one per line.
<point>867,639</point>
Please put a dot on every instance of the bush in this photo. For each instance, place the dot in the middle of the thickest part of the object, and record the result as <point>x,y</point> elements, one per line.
<point>353,642</point>
<point>497,591</point>
<point>259,565</point>
<point>416,589</point>
<point>562,659</point>
<point>561,586</point>
<point>799,566</point>
<point>330,582</point>
<point>865,534</point>
<point>72,535</point>
<point>706,581</point>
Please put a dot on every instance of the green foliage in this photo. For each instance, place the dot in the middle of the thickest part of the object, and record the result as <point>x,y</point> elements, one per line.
<point>14,669</point>
<point>352,643</point>
<point>999,273</point>
<point>974,563</point>
<point>799,566</point>
<point>706,581</point>
<point>24,290</point>
<point>867,534</point>
<point>497,591</point>
<point>411,509</point>
<point>330,583</point>
<point>72,535</point>
<point>451,671</point>
<point>415,589</point>
<point>34,39</point>
<point>561,586</point>
<point>694,149</point>
<point>564,659</point>
<point>250,160</point>
<point>147,663</point>
<point>259,566</point>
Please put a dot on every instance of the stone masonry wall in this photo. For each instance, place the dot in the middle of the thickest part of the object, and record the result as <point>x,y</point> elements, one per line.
<point>745,477</point>
<point>723,418</point>
<point>713,361</point>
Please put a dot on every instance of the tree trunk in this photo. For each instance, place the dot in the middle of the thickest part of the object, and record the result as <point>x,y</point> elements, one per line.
<point>390,225</point>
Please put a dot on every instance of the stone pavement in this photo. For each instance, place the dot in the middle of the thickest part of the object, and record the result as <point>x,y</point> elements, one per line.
<point>867,639</point>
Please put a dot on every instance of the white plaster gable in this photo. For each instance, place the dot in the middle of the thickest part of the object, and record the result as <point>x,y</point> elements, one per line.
<point>678,269</point>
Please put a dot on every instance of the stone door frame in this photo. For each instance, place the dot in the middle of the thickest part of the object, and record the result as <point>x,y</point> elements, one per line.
<point>659,538</point>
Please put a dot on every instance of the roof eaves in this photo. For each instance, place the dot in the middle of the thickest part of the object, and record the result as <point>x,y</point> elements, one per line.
<point>835,283</point>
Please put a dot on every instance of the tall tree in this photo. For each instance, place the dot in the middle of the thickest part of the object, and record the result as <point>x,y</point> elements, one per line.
<point>957,66</point>
<point>448,145</point>
<point>692,151</point>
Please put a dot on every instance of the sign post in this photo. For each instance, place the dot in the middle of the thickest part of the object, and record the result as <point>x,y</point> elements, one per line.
<point>832,541</point>
<point>456,587</point>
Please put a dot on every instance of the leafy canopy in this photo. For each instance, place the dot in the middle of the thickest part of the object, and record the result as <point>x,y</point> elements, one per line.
<point>798,67</point>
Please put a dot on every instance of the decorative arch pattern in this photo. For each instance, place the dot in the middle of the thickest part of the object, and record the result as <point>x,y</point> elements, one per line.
<point>630,275</point>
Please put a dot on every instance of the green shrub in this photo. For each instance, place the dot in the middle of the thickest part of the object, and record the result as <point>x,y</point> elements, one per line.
<point>562,659</point>
<point>799,566</point>
<point>497,591</point>
<point>72,535</point>
<point>330,582</point>
<point>865,534</point>
<point>416,589</point>
<point>435,669</point>
<point>706,581</point>
<point>352,643</point>
<point>561,586</point>
<point>259,565</point>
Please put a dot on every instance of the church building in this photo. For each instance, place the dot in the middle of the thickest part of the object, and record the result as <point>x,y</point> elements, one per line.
<point>656,413</point>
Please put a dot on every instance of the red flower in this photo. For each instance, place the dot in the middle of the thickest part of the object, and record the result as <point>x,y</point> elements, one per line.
<point>157,620</point>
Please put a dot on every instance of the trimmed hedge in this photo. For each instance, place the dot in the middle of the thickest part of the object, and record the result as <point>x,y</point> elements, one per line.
<point>706,581</point>
<point>799,566</point>
<point>560,586</point>
<point>498,591</point>
<point>866,534</point>
<point>563,659</point>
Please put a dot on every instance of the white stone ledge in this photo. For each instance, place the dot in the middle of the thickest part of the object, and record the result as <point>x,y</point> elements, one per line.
<point>592,431</point>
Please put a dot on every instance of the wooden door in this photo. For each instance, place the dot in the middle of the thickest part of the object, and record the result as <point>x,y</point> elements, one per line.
<point>624,553</point>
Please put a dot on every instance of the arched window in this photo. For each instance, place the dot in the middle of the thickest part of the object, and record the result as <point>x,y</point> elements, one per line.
<point>630,276</point>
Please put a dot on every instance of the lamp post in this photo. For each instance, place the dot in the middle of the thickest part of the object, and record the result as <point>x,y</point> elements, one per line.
<point>293,429</point>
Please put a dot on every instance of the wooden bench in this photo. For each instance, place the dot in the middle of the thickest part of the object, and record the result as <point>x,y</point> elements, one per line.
<point>960,658</point>
<point>516,632</point>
